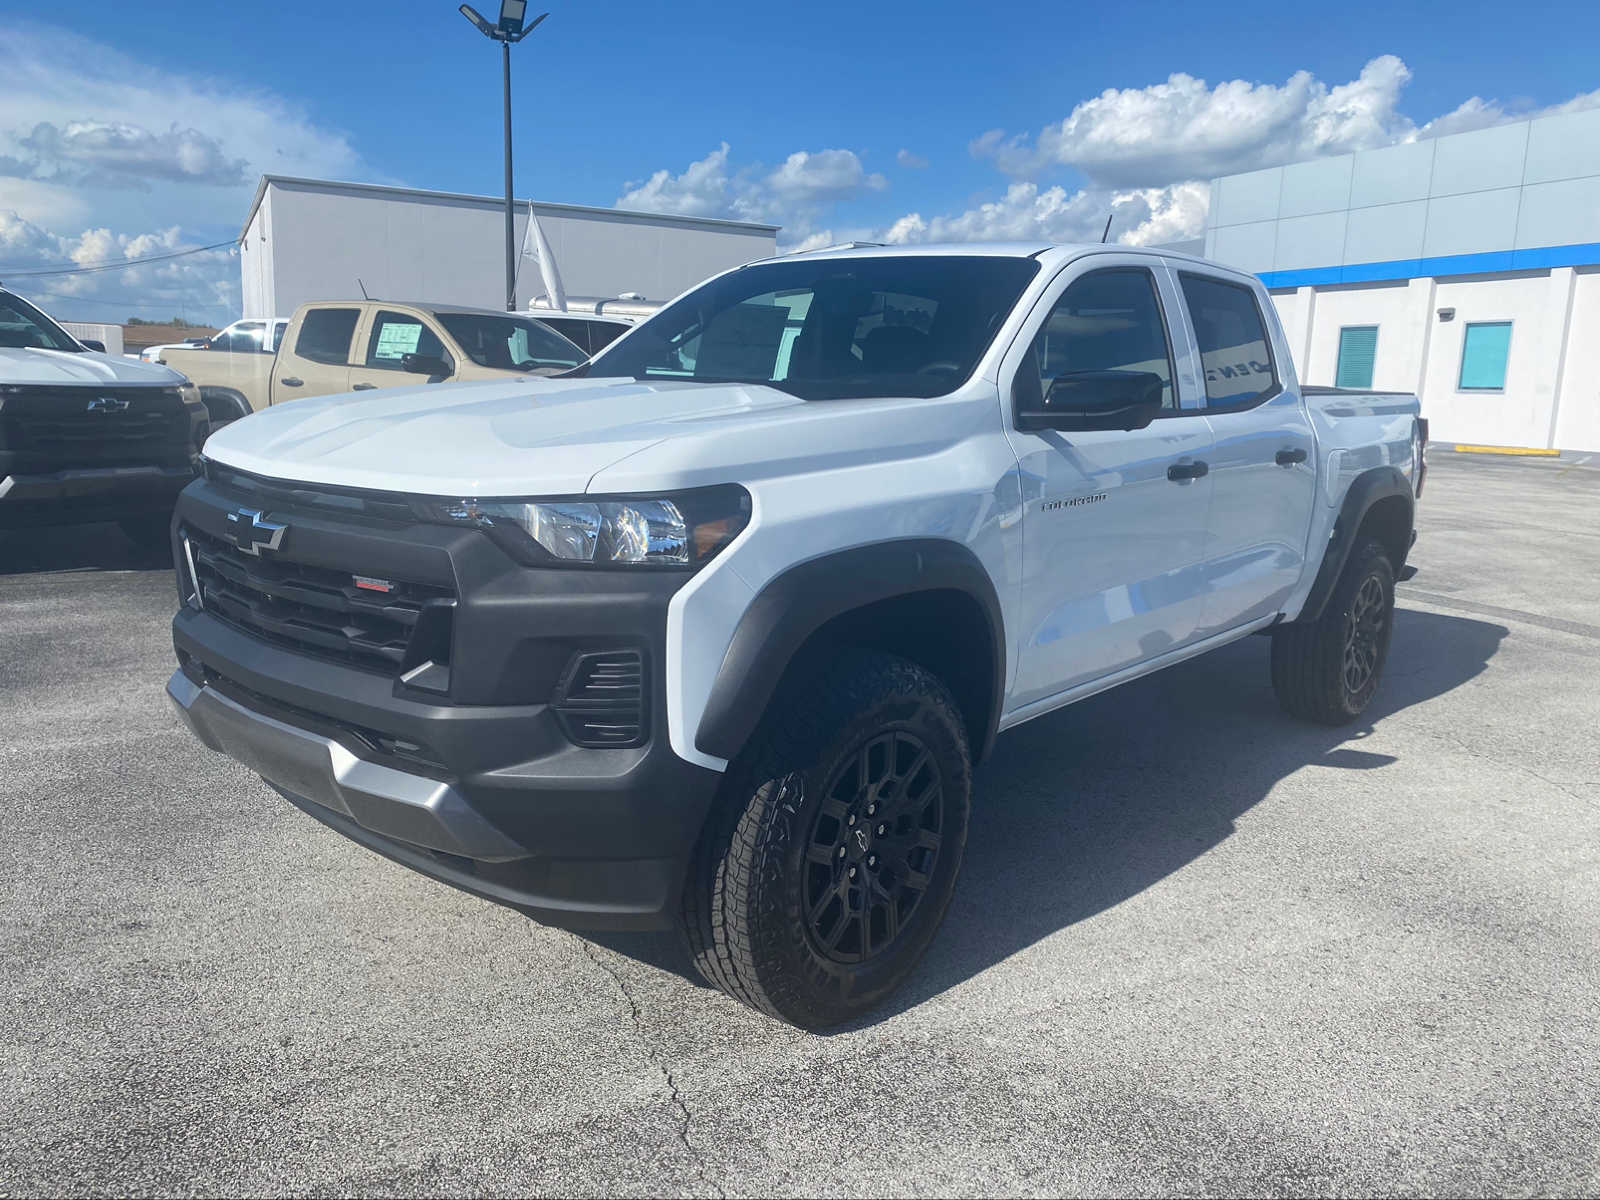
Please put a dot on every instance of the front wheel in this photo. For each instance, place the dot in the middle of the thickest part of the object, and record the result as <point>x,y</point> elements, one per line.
<point>828,866</point>
<point>1328,670</point>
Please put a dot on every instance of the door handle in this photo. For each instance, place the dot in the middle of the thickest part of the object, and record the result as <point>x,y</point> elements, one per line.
<point>291,381</point>
<point>367,387</point>
<point>1178,472</point>
<point>1288,458</point>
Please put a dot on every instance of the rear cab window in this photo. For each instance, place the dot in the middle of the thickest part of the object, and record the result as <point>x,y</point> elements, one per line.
<point>1235,350</point>
<point>325,335</point>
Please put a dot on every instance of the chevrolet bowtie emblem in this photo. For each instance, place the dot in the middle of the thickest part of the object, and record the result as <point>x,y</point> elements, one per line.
<point>252,533</point>
<point>108,404</point>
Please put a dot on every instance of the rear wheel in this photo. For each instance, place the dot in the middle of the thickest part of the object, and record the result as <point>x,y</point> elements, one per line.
<point>827,868</point>
<point>1328,670</point>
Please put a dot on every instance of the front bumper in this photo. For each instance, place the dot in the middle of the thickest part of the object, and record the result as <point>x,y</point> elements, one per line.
<point>75,497</point>
<point>479,786</point>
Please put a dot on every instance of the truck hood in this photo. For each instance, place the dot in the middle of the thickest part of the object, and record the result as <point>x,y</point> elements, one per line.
<point>525,437</point>
<point>69,368</point>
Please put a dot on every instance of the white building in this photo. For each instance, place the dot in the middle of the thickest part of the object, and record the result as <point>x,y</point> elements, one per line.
<point>310,239</point>
<point>1463,268</point>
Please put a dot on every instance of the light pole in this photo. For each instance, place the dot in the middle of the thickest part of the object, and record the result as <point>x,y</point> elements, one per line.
<point>508,32</point>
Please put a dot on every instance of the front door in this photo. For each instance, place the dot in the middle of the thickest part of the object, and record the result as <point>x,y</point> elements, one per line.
<point>1114,525</point>
<point>390,337</point>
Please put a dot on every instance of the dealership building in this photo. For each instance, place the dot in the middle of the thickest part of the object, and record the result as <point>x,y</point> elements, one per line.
<point>1463,268</point>
<point>312,239</point>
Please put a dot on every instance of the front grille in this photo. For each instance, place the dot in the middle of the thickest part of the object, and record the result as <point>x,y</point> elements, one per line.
<point>353,504</point>
<point>93,426</point>
<point>315,609</point>
<point>601,699</point>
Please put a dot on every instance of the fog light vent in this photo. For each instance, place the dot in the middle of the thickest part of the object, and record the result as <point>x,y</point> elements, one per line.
<point>601,699</point>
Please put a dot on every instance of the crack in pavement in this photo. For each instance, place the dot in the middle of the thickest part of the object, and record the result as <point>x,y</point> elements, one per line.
<point>675,1095</point>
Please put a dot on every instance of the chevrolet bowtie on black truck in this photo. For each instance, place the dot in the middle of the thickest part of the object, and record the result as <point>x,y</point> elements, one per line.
<point>88,436</point>
<point>709,632</point>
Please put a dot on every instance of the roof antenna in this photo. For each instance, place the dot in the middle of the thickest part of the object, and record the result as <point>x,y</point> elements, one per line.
<point>1105,233</point>
<point>364,295</point>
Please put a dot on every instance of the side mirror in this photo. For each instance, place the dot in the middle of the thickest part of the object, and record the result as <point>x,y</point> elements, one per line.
<point>1080,400</point>
<point>424,364</point>
<point>91,344</point>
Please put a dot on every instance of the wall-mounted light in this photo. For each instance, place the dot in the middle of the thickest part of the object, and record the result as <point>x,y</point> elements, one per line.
<point>1447,314</point>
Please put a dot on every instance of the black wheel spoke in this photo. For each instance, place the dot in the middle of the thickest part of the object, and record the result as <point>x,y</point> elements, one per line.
<point>873,847</point>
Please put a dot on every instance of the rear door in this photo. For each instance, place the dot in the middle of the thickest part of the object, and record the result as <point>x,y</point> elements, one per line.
<point>1114,521</point>
<point>384,343</point>
<point>1263,460</point>
<point>315,359</point>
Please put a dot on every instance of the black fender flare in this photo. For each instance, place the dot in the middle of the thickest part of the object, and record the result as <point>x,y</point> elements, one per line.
<point>805,597</point>
<point>225,395</point>
<point>1380,483</point>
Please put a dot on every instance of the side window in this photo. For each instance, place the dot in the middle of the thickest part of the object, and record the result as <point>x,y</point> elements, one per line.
<point>325,335</point>
<point>576,332</point>
<point>1233,342</point>
<point>395,335</point>
<point>1106,321</point>
<point>603,333</point>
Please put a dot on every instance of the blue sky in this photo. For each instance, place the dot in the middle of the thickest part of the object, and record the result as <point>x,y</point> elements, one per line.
<point>143,129</point>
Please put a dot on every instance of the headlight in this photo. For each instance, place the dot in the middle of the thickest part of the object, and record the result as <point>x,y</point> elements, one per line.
<point>684,529</point>
<point>190,394</point>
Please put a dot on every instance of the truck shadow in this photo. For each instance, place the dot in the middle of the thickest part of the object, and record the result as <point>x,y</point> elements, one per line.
<point>1085,808</point>
<point>75,548</point>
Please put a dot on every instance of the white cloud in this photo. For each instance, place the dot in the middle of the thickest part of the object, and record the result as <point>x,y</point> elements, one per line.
<point>912,161</point>
<point>1028,213</point>
<point>1187,129</point>
<point>202,285</point>
<point>103,156</point>
<point>795,194</point>
<point>116,154</point>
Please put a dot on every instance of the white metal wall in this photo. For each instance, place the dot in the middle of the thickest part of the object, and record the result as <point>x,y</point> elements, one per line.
<point>314,241</point>
<point>109,336</point>
<point>1551,398</point>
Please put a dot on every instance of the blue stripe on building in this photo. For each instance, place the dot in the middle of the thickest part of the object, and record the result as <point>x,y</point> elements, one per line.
<point>1539,258</point>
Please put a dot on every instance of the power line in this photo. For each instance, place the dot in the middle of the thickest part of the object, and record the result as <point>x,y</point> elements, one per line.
<point>113,264</point>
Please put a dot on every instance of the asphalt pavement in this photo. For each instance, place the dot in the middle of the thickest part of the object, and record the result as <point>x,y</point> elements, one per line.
<point>1197,947</point>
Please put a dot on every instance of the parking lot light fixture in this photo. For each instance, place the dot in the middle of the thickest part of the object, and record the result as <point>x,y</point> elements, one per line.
<point>510,30</point>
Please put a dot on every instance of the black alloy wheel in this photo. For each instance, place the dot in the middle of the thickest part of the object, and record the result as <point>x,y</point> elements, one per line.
<point>873,847</point>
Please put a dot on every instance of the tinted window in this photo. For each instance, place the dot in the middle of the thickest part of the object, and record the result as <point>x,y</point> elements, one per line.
<point>325,335</point>
<point>510,343</point>
<point>603,333</point>
<point>1358,352</point>
<point>1106,321</point>
<point>395,335</point>
<point>825,328</point>
<point>1485,350</point>
<point>24,327</point>
<point>576,332</point>
<point>1233,341</point>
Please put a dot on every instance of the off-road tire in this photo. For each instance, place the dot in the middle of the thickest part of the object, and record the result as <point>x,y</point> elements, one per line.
<point>745,917</point>
<point>1313,670</point>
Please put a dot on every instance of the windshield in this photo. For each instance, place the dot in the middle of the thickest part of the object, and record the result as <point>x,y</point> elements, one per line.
<point>510,343</point>
<point>24,327</point>
<point>830,328</point>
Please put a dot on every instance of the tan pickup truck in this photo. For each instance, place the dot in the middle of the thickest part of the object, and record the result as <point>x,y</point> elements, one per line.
<point>352,346</point>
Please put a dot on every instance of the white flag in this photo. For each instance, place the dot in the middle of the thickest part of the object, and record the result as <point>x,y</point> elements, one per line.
<point>535,246</point>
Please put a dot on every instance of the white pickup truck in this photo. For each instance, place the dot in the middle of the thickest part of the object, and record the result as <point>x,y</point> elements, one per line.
<point>710,632</point>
